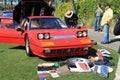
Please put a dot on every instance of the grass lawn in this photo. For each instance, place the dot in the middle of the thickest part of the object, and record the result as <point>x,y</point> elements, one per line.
<point>15,65</point>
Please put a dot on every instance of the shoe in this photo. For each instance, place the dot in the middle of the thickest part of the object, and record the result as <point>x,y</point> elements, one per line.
<point>98,30</point>
<point>104,42</point>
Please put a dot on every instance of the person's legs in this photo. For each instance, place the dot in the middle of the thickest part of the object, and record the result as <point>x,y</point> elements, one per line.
<point>98,23</point>
<point>95,24</point>
<point>106,33</point>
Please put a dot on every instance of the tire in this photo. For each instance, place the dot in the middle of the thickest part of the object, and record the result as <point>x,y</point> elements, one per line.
<point>116,30</point>
<point>71,61</point>
<point>27,47</point>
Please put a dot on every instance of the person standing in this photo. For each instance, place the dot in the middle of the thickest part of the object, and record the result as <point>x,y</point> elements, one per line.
<point>98,14</point>
<point>71,19</point>
<point>105,22</point>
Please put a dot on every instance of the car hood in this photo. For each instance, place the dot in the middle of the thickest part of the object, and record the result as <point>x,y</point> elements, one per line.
<point>56,31</point>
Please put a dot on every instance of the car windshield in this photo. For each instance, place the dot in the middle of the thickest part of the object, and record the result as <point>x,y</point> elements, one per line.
<point>47,23</point>
<point>7,14</point>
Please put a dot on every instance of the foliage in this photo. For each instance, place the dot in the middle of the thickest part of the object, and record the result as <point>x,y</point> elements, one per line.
<point>62,8</point>
<point>86,8</point>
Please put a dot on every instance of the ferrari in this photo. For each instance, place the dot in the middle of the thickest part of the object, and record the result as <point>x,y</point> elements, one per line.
<point>47,37</point>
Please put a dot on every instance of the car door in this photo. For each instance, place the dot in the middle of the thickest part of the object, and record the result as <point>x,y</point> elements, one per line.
<point>9,34</point>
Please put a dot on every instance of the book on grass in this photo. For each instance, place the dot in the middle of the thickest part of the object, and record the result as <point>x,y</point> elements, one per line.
<point>54,73</point>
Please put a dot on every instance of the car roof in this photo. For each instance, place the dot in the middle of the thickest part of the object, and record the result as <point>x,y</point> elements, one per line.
<point>7,11</point>
<point>41,17</point>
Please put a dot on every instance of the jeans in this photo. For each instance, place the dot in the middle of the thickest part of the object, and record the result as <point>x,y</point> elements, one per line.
<point>97,23</point>
<point>106,33</point>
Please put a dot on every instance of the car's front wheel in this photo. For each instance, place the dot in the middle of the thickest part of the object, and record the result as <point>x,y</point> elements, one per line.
<point>27,46</point>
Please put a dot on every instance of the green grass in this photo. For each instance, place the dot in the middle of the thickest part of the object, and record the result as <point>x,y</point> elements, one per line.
<point>15,65</point>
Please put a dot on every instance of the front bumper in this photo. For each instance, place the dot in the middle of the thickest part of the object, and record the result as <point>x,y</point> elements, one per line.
<point>51,52</point>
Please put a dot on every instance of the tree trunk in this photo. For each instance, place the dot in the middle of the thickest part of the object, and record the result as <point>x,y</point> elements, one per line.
<point>5,2</point>
<point>11,4</point>
<point>73,6</point>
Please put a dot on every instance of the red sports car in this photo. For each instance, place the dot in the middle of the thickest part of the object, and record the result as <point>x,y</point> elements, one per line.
<point>47,37</point>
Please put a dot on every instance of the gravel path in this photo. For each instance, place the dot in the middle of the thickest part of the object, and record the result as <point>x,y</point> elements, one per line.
<point>98,36</point>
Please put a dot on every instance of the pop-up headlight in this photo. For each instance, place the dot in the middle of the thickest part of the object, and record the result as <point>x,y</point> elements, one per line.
<point>84,33</point>
<point>40,36</point>
<point>43,35</point>
<point>79,34</point>
<point>46,36</point>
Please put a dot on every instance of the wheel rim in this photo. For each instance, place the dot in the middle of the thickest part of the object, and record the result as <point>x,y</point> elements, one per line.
<point>27,46</point>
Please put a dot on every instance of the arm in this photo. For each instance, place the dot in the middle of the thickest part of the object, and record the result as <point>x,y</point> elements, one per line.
<point>110,15</point>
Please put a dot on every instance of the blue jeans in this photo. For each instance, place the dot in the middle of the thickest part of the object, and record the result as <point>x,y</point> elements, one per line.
<point>97,23</point>
<point>106,33</point>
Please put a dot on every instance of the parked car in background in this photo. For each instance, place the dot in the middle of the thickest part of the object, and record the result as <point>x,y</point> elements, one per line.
<point>6,17</point>
<point>48,37</point>
<point>7,13</point>
<point>5,20</point>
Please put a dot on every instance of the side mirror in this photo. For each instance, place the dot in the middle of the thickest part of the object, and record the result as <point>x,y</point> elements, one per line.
<point>78,27</point>
<point>20,29</point>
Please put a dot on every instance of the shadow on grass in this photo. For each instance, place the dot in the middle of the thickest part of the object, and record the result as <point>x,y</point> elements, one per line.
<point>18,47</point>
<point>1,51</point>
